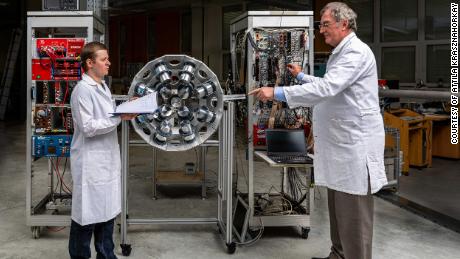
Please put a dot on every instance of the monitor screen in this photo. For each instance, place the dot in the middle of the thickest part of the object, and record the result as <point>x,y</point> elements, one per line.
<point>288,141</point>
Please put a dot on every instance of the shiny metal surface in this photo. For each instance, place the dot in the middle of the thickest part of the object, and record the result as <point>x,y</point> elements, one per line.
<point>190,102</point>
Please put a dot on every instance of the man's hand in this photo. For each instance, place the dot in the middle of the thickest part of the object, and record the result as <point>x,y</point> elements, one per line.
<point>264,93</point>
<point>128,116</point>
<point>294,69</point>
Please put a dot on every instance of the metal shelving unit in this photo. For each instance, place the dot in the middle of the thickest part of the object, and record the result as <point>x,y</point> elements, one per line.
<point>49,25</point>
<point>245,23</point>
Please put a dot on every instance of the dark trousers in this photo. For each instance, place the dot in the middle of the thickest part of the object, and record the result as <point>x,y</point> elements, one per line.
<point>351,219</point>
<point>80,240</point>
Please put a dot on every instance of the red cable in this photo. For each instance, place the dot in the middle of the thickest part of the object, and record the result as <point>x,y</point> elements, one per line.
<point>62,180</point>
<point>59,179</point>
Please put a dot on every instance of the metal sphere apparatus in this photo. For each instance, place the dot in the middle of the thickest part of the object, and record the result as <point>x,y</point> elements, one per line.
<point>190,102</point>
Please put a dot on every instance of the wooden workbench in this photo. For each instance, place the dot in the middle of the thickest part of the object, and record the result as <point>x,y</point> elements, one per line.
<point>441,137</point>
<point>415,137</point>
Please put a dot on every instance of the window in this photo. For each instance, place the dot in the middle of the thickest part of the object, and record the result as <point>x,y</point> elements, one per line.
<point>228,14</point>
<point>186,33</point>
<point>151,37</point>
<point>122,49</point>
<point>437,19</point>
<point>399,63</point>
<point>399,20</point>
<point>365,11</point>
<point>438,66</point>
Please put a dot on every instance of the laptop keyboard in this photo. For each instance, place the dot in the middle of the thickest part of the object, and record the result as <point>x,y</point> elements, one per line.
<point>291,159</point>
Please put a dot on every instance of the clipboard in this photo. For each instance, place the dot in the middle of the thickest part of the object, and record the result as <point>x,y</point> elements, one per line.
<point>144,105</point>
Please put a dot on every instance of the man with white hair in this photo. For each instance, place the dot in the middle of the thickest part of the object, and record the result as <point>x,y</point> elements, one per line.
<point>347,128</point>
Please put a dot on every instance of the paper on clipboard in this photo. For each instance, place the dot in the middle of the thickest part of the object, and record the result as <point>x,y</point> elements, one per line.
<point>144,104</point>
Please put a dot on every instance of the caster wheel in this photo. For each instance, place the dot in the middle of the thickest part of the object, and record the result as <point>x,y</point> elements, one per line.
<point>125,249</point>
<point>305,232</point>
<point>35,232</point>
<point>231,248</point>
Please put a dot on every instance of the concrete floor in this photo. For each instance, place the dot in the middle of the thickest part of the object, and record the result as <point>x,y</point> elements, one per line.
<point>435,187</point>
<point>397,233</point>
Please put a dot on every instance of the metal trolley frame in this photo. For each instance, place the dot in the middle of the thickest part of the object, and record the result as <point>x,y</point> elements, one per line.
<point>393,157</point>
<point>265,20</point>
<point>224,185</point>
<point>67,22</point>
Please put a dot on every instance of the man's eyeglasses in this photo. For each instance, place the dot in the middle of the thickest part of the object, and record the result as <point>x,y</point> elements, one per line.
<point>324,25</point>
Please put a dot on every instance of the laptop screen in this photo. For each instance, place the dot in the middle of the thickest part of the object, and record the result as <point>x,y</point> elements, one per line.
<point>288,141</point>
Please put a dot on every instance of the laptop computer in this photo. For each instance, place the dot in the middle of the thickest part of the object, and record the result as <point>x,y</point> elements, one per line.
<point>287,146</point>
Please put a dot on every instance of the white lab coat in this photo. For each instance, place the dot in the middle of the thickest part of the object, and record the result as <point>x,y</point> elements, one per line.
<point>94,154</point>
<point>347,124</point>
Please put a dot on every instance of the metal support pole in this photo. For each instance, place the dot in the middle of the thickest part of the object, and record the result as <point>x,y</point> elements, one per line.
<point>171,221</point>
<point>229,174</point>
<point>203,169</point>
<point>124,179</point>
<point>420,94</point>
<point>398,159</point>
<point>154,180</point>
<point>220,171</point>
<point>225,153</point>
